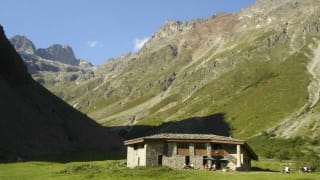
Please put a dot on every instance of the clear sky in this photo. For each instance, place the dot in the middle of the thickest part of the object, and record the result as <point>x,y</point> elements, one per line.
<point>101,29</point>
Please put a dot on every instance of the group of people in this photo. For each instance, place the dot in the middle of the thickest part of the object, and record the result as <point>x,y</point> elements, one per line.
<point>306,169</point>
<point>301,169</point>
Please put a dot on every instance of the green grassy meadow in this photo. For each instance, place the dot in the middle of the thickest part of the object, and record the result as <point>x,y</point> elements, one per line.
<point>114,169</point>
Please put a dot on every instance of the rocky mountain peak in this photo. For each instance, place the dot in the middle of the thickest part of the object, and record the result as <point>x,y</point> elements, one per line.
<point>23,45</point>
<point>58,52</point>
<point>172,27</point>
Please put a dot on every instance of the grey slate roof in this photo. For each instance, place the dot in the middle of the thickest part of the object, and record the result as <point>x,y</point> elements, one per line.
<point>191,136</point>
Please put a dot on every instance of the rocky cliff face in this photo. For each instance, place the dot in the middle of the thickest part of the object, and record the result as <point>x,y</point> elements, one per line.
<point>59,53</point>
<point>56,52</point>
<point>52,66</point>
<point>36,123</point>
<point>23,45</point>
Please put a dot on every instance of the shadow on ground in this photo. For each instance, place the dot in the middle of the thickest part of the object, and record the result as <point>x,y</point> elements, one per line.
<point>262,169</point>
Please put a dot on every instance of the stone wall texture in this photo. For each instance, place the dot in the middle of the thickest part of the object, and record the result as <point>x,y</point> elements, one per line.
<point>165,154</point>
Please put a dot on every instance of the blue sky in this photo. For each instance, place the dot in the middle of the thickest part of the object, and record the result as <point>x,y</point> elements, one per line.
<point>101,29</point>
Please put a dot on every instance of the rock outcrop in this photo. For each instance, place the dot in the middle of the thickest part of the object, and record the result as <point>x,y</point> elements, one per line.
<point>23,45</point>
<point>54,65</point>
<point>58,52</point>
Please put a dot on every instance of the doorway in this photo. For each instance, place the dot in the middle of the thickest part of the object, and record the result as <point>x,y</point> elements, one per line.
<point>187,160</point>
<point>204,160</point>
<point>160,160</point>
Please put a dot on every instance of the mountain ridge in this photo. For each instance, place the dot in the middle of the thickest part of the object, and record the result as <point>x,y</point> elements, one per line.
<point>55,52</point>
<point>206,51</point>
<point>53,66</point>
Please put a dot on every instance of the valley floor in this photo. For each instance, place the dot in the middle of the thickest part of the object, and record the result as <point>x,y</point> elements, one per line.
<point>114,169</point>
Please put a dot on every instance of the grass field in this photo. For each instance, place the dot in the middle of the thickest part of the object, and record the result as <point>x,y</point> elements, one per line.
<point>112,169</point>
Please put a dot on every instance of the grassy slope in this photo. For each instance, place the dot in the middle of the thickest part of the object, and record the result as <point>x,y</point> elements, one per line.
<point>111,170</point>
<point>251,77</point>
<point>258,92</point>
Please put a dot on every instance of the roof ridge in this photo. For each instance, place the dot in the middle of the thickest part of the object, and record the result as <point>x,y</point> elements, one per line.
<point>191,136</point>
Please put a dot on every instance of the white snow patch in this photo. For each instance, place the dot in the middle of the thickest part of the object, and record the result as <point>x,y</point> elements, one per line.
<point>258,26</point>
<point>269,20</point>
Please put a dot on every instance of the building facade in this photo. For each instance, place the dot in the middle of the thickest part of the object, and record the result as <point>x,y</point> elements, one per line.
<point>180,150</point>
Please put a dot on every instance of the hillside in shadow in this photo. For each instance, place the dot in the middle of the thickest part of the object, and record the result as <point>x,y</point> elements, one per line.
<point>35,123</point>
<point>213,124</point>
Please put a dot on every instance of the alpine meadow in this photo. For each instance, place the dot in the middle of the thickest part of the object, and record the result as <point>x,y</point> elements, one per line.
<point>252,75</point>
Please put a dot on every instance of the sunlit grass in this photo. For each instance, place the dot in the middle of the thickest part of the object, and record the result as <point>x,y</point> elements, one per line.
<point>115,169</point>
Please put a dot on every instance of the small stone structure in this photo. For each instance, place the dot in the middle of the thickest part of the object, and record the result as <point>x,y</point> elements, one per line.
<point>180,150</point>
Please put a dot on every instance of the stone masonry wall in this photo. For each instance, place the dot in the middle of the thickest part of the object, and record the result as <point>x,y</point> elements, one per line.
<point>153,152</point>
<point>148,154</point>
<point>176,161</point>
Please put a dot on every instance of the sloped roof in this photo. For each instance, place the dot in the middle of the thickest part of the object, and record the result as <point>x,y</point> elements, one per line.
<point>186,137</point>
<point>192,136</point>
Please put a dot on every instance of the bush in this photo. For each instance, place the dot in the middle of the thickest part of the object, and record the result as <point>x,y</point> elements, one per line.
<point>283,155</point>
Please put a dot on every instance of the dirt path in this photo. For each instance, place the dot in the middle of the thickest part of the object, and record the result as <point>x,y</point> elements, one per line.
<point>304,116</point>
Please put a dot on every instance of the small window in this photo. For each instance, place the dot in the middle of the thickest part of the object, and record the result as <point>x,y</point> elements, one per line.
<point>183,145</point>
<point>200,149</point>
<point>183,149</point>
<point>200,146</point>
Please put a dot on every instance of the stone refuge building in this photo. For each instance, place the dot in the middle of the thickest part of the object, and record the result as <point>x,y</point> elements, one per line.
<point>178,150</point>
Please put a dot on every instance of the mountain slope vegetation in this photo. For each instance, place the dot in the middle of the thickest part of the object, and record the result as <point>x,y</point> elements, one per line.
<point>258,67</point>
